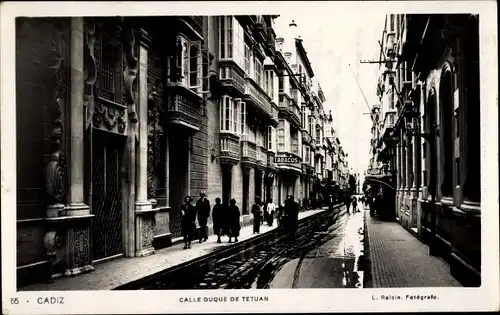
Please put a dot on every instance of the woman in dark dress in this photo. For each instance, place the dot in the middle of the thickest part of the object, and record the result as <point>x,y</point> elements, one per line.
<point>233,215</point>
<point>218,216</point>
<point>188,217</point>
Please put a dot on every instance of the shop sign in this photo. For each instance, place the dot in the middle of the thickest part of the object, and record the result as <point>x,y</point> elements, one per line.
<point>373,171</point>
<point>286,160</point>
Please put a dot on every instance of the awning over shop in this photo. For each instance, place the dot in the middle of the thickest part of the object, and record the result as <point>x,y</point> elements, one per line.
<point>383,179</point>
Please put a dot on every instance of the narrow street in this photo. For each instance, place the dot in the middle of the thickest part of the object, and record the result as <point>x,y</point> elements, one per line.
<point>333,264</point>
<point>324,254</point>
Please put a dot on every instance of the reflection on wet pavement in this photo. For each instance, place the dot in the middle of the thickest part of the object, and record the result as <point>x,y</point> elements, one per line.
<point>333,264</point>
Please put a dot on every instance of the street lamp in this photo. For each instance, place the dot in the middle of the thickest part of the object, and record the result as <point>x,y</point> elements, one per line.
<point>412,118</point>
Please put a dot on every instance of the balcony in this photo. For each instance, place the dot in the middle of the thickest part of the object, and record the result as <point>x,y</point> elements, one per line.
<point>229,148</point>
<point>306,138</point>
<point>288,109</point>
<point>195,22</point>
<point>233,79</point>
<point>320,151</point>
<point>270,160</point>
<point>289,161</point>
<point>184,107</point>
<point>259,99</point>
<point>261,154</point>
<point>248,154</point>
<point>261,29</point>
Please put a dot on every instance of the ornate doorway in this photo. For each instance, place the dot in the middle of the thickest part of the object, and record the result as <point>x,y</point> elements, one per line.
<point>106,196</point>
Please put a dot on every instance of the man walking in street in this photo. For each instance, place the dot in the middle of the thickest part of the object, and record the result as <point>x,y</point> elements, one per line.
<point>347,202</point>
<point>257,214</point>
<point>203,208</point>
<point>271,207</point>
<point>292,213</point>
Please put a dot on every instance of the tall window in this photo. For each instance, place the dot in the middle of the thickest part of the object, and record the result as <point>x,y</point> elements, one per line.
<point>391,22</point>
<point>236,103</point>
<point>307,155</point>
<point>188,65</point>
<point>270,138</point>
<point>408,74</point>
<point>243,117</point>
<point>248,57</point>
<point>258,72</point>
<point>107,75</point>
<point>295,143</point>
<point>269,82</point>
<point>281,139</point>
<point>281,84</point>
<point>231,40</point>
<point>318,136</point>
<point>194,65</point>
<point>229,114</point>
<point>304,116</point>
<point>311,124</point>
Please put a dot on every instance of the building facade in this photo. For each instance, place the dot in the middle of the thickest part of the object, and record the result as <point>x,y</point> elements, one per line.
<point>437,143</point>
<point>138,112</point>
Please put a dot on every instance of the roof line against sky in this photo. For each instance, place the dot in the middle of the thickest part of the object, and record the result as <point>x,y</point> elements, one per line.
<point>303,54</point>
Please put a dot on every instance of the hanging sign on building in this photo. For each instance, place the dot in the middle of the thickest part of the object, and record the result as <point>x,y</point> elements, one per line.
<point>286,160</point>
<point>373,171</point>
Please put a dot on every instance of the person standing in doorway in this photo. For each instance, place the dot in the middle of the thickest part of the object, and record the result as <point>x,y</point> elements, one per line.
<point>188,217</point>
<point>203,208</point>
<point>233,220</point>
<point>271,208</point>
<point>219,217</point>
<point>257,214</point>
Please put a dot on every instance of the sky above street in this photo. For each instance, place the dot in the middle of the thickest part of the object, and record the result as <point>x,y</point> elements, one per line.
<point>333,40</point>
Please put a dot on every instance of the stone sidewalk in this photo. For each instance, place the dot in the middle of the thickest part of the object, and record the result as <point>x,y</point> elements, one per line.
<point>111,274</point>
<point>399,259</point>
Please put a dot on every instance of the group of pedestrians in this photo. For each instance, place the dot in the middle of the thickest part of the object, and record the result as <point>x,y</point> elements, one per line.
<point>226,220</point>
<point>352,201</point>
<point>262,213</point>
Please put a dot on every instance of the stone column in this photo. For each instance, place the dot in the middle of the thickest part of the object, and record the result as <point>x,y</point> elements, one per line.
<point>408,165</point>
<point>67,241</point>
<point>75,198</point>
<point>470,120</point>
<point>144,212</point>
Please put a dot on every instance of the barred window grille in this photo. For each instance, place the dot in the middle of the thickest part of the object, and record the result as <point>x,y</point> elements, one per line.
<point>107,75</point>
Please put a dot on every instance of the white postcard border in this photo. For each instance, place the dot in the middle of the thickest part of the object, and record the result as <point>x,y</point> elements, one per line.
<point>295,300</point>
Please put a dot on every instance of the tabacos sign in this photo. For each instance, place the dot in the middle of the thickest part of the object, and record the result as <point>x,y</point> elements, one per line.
<point>286,160</point>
